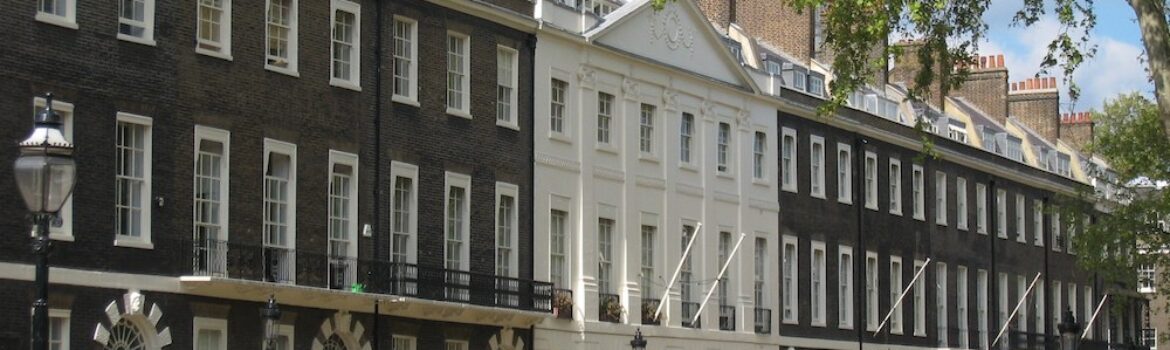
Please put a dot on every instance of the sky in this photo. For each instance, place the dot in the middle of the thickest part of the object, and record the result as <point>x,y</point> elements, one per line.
<point>1117,68</point>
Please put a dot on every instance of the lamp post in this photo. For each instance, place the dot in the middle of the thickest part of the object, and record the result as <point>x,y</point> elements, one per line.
<point>1070,331</point>
<point>638,343</point>
<point>45,173</point>
<point>271,314</point>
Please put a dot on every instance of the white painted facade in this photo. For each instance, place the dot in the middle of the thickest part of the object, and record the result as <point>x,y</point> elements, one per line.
<point>674,61</point>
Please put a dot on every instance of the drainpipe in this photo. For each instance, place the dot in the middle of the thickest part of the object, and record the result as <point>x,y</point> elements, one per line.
<point>993,226</point>
<point>377,162</point>
<point>859,264</point>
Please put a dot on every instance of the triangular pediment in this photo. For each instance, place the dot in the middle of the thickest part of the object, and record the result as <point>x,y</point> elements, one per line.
<point>678,35</point>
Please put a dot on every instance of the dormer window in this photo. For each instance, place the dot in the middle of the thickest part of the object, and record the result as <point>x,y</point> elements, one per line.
<point>736,50</point>
<point>957,133</point>
<point>816,84</point>
<point>889,109</point>
<point>1010,147</point>
<point>871,103</point>
<point>1062,164</point>
<point>601,8</point>
<point>795,76</point>
<point>772,67</point>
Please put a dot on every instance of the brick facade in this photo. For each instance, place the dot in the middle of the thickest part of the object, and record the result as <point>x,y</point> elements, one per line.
<point>1077,129</point>
<point>1036,103</point>
<point>987,87</point>
<point>780,26</point>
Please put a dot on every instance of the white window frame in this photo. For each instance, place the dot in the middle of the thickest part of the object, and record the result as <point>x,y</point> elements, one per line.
<point>817,280</point>
<point>919,300</point>
<point>646,145</point>
<point>723,149</point>
<point>940,195</point>
<point>1022,319</point>
<point>844,173</point>
<point>355,47</point>
<point>1041,316</point>
<point>207,323</point>
<point>790,280</point>
<point>981,208</point>
<point>962,214</point>
<point>788,150</point>
<point>1003,303</point>
<point>1088,305</point>
<point>558,108</point>
<point>760,157</point>
<point>511,81</point>
<point>1071,297</point>
<point>648,236</point>
<point>1001,213</point>
<point>452,179</point>
<point>1057,303</point>
<point>66,332</point>
<point>275,146</point>
<point>872,292</point>
<point>871,180</point>
<point>941,307</point>
<point>686,140</point>
<point>896,285</point>
<point>845,290</point>
<point>895,178</point>
<point>350,159</point>
<point>513,263</point>
<point>288,331</point>
<point>68,20</point>
<point>218,49</point>
<point>963,305</point>
<point>411,341</point>
<point>204,133</point>
<point>464,108</point>
<point>290,67</point>
<point>760,290</point>
<point>64,231</point>
<point>605,122</point>
<point>147,24</point>
<point>816,168</point>
<point>918,184</point>
<point>981,309</point>
<point>1021,219</point>
<point>143,241</point>
<point>408,171</point>
<point>451,344</point>
<point>565,274</point>
<point>1056,236</point>
<point>410,95</point>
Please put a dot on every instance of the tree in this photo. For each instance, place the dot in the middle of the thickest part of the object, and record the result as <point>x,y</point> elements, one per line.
<point>1128,136</point>
<point>950,30</point>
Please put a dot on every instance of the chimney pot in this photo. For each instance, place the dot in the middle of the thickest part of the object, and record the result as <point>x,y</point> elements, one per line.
<point>999,61</point>
<point>1052,81</point>
<point>1030,84</point>
<point>982,62</point>
<point>1014,86</point>
<point>1044,82</point>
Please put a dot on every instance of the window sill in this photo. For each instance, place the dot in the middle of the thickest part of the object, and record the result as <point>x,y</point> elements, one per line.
<point>941,223</point>
<point>871,206</point>
<point>982,232</point>
<point>128,242</point>
<point>507,124</point>
<point>845,201</point>
<point>789,322</point>
<point>282,70</point>
<point>688,167</point>
<point>818,324</point>
<point>648,157</point>
<point>920,334</point>
<point>344,84</point>
<point>61,237</point>
<point>896,212</point>
<point>817,195</point>
<point>137,40</point>
<point>458,113</point>
<point>404,100</point>
<point>962,228</point>
<point>724,175</point>
<point>790,188</point>
<point>213,53</point>
<point>56,20</point>
<point>761,182</point>
<point>849,327</point>
<point>606,148</point>
<point>559,137</point>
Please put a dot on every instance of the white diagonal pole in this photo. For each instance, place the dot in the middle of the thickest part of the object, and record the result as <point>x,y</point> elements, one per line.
<point>718,278</point>
<point>1004,326</point>
<point>1089,325</point>
<point>677,269</point>
<point>903,295</point>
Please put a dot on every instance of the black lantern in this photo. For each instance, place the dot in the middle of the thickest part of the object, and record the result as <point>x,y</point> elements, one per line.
<point>271,314</point>
<point>638,343</point>
<point>45,171</point>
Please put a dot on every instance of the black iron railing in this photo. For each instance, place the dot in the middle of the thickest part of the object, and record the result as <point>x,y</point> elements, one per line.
<point>1025,340</point>
<point>609,308</point>
<point>649,306</point>
<point>217,258</point>
<point>763,320</point>
<point>726,318</point>
<point>689,309</point>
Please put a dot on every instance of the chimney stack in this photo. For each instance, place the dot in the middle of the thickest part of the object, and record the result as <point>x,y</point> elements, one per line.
<point>987,86</point>
<point>1077,129</point>
<point>1036,103</point>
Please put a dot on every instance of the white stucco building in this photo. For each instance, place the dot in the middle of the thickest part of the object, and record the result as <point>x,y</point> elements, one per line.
<point>646,126</point>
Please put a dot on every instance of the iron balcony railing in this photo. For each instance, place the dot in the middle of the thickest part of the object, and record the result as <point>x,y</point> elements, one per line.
<point>218,258</point>
<point>763,320</point>
<point>649,306</point>
<point>726,318</point>
<point>689,308</point>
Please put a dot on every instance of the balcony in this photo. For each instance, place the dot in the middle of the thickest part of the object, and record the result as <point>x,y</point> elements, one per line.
<point>763,320</point>
<point>609,308</point>
<point>726,318</point>
<point>649,306</point>
<point>215,258</point>
<point>688,313</point>
<point>562,306</point>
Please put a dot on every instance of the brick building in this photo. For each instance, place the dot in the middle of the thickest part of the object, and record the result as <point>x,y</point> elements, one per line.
<point>229,151</point>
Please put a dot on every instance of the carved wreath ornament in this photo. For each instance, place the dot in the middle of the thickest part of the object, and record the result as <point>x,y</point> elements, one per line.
<point>667,26</point>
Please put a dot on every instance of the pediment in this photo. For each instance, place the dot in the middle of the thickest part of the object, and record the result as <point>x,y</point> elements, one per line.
<point>678,35</point>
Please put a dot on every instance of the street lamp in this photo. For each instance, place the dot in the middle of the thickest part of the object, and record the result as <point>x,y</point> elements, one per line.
<point>271,314</point>
<point>45,173</point>
<point>638,343</point>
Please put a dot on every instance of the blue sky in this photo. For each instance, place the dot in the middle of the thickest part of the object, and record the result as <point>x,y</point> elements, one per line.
<point>1116,68</point>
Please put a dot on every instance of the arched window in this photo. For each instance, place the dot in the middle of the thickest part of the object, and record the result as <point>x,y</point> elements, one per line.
<point>125,336</point>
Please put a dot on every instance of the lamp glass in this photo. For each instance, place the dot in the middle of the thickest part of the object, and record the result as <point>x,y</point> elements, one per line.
<point>45,180</point>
